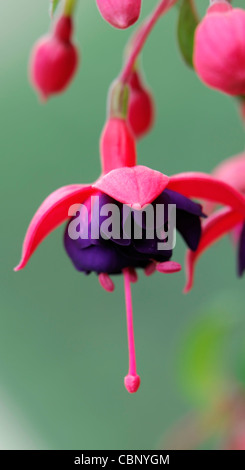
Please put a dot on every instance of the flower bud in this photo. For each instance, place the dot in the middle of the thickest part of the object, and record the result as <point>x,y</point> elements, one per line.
<point>54,60</point>
<point>219,49</point>
<point>120,13</point>
<point>117,145</point>
<point>141,107</point>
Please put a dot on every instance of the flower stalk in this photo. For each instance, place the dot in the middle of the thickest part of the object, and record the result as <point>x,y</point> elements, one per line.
<point>69,7</point>
<point>142,36</point>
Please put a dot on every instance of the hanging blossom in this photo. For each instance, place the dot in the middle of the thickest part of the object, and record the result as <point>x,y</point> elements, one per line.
<point>124,182</point>
<point>223,221</point>
<point>219,48</point>
<point>54,58</point>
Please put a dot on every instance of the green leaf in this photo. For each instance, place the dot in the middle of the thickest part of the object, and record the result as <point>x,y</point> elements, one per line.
<point>53,5</point>
<point>187,23</point>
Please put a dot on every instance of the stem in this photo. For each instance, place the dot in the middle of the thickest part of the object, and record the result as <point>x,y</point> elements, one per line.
<point>69,7</point>
<point>118,100</point>
<point>142,36</point>
<point>130,325</point>
<point>132,380</point>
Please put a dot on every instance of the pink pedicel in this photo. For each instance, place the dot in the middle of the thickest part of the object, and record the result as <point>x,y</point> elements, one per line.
<point>219,49</point>
<point>141,107</point>
<point>132,380</point>
<point>54,60</point>
<point>168,267</point>
<point>106,282</point>
<point>120,13</point>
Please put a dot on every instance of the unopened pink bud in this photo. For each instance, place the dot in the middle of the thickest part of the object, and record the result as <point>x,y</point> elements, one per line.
<point>54,60</point>
<point>120,13</point>
<point>219,49</point>
<point>141,107</point>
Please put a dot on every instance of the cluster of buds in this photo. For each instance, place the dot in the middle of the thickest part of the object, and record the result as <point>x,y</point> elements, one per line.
<point>54,58</point>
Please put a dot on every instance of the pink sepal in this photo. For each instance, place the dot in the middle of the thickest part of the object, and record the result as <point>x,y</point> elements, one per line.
<point>215,227</point>
<point>52,212</point>
<point>136,186</point>
<point>231,171</point>
<point>203,186</point>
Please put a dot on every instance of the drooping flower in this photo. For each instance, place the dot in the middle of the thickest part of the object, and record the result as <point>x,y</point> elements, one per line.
<point>54,60</point>
<point>120,13</point>
<point>124,182</point>
<point>219,48</point>
<point>222,221</point>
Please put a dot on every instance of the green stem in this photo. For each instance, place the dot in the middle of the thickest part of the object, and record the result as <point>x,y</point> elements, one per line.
<point>69,7</point>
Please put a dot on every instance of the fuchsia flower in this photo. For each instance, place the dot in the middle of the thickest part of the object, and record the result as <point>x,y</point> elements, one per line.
<point>219,48</point>
<point>54,60</point>
<point>120,13</point>
<point>124,182</point>
<point>141,106</point>
<point>222,221</point>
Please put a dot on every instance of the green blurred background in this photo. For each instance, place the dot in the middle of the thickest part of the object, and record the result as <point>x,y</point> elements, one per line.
<point>63,346</point>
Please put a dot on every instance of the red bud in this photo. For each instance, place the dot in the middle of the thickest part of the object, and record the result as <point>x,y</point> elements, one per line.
<point>141,107</point>
<point>54,60</point>
<point>120,13</point>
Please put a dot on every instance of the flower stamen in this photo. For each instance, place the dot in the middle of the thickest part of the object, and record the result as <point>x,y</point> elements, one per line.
<point>168,267</point>
<point>132,380</point>
<point>150,269</point>
<point>133,275</point>
<point>106,282</point>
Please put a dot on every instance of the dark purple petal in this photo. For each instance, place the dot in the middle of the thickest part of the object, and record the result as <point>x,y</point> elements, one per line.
<point>112,255</point>
<point>189,226</point>
<point>101,258</point>
<point>241,253</point>
<point>182,202</point>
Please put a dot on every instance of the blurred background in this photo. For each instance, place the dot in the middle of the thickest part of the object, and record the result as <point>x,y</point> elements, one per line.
<point>63,345</point>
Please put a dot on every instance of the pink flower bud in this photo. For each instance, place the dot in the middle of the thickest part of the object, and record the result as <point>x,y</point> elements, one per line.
<point>219,49</point>
<point>141,107</point>
<point>120,13</point>
<point>54,60</point>
<point>117,145</point>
